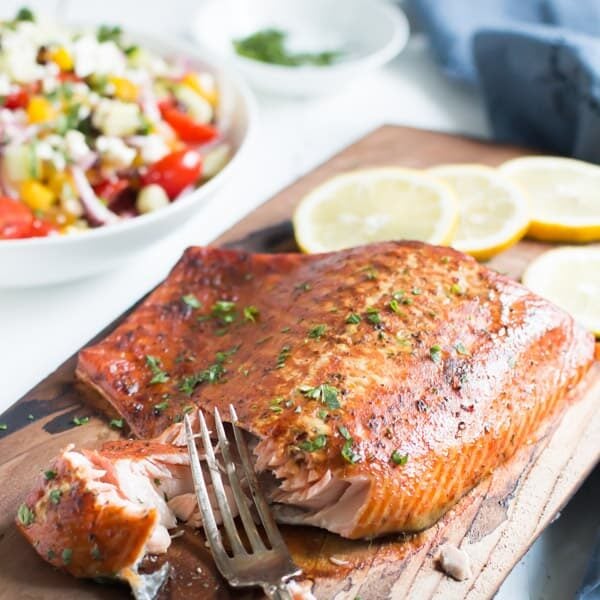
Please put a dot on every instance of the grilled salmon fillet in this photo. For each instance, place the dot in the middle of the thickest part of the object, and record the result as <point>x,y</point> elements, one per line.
<point>381,383</point>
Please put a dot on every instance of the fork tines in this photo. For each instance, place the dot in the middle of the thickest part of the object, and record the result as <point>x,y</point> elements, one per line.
<point>238,568</point>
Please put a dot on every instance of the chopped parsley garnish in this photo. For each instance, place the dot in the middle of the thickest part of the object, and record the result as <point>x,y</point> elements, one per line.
<point>322,414</point>
<point>50,475</point>
<point>250,313</point>
<point>398,458</point>
<point>317,331</point>
<point>116,423</point>
<point>268,45</point>
<point>303,287</point>
<point>370,273</point>
<point>348,454</point>
<point>400,296</point>
<point>460,348</point>
<point>3,426</point>
<point>457,289</point>
<point>416,291</point>
<point>435,352</point>
<point>30,418</point>
<point>317,443</point>
<point>55,496</point>
<point>191,301</point>
<point>79,421</point>
<point>188,409</point>
<point>344,432</point>
<point>67,555</point>
<point>395,307</point>
<point>51,554</point>
<point>224,310</point>
<point>158,375</point>
<point>275,408</point>
<point>353,319</point>
<point>211,374</point>
<point>107,33</point>
<point>283,355</point>
<point>286,329</point>
<point>25,515</point>
<point>325,393</point>
<point>25,14</point>
<point>161,406</point>
<point>373,316</point>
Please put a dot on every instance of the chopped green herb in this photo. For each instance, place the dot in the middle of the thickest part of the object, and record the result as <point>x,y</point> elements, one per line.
<point>398,458</point>
<point>445,260</point>
<point>283,355</point>
<point>95,552</point>
<point>223,355</point>
<point>25,14</point>
<point>286,329</point>
<point>268,45</point>
<point>55,496</point>
<point>344,432</point>
<point>80,421</point>
<point>188,409</point>
<point>317,331</point>
<point>276,409</point>
<point>25,515</point>
<point>51,554</point>
<point>348,453</point>
<point>211,374</point>
<point>50,475</point>
<point>67,555</point>
<point>370,274</point>
<point>116,423</point>
<point>395,307</point>
<point>400,296</point>
<point>416,291</point>
<point>322,414</point>
<point>3,426</point>
<point>224,310</point>
<point>353,319</point>
<point>325,393</point>
<point>250,313</point>
<point>373,316</point>
<point>317,443</point>
<point>303,287</point>
<point>457,289</point>
<point>191,301</point>
<point>30,417</point>
<point>161,406</point>
<point>158,375</point>
<point>435,352</point>
<point>460,348</point>
<point>108,33</point>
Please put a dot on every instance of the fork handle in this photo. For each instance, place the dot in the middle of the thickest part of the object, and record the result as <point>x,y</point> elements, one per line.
<point>277,592</point>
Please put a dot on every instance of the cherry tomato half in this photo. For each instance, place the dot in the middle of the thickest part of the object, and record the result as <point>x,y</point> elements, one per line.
<point>111,189</point>
<point>186,127</point>
<point>18,99</point>
<point>175,172</point>
<point>16,219</point>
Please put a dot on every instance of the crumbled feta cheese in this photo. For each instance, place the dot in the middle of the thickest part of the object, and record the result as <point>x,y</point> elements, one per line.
<point>152,147</point>
<point>150,198</point>
<point>100,58</point>
<point>116,118</point>
<point>454,562</point>
<point>114,151</point>
<point>75,146</point>
<point>44,150</point>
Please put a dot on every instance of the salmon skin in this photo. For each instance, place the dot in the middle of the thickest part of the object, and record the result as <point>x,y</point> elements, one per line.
<point>381,383</point>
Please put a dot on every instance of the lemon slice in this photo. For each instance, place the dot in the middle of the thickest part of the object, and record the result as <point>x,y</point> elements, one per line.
<point>569,277</point>
<point>493,211</point>
<point>374,205</point>
<point>564,197</point>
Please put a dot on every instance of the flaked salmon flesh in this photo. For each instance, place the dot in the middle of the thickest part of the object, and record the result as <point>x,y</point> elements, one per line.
<point>380,384</point>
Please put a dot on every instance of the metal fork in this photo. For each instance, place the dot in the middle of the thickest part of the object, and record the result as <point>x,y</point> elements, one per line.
<point>269,568</point>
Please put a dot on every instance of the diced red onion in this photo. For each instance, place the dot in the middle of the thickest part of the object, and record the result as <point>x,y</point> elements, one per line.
<point>97,213</point>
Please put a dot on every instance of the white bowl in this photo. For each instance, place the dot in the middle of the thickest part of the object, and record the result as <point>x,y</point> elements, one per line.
<point>369,33</point>
<point>37,261</point>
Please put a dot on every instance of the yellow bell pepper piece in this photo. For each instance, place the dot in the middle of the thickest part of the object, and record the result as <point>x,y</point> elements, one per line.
<point>192,81</point>
<point>39,110</point>
<point>36,195</point>
<point>62,58</point>
<point>124,89</point>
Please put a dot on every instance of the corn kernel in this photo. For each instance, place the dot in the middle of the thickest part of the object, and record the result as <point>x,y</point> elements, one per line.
<point>124,89</point>
<point>62,58</point>
<point>39,110</point>
<point>36,195</point>
<point>193,81</point>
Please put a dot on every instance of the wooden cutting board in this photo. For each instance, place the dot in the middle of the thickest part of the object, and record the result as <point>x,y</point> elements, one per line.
<point>496,523</point>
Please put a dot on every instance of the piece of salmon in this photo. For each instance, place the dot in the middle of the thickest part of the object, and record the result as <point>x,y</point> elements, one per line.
<point>381,383</point>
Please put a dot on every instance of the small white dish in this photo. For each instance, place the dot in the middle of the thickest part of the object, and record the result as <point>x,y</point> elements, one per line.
<point>368,33</point>
<point>54,259</point>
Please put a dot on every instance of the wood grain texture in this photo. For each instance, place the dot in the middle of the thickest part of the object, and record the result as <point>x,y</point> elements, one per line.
<point>496,523</point>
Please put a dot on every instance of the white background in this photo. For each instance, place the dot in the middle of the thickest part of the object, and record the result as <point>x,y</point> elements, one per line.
<point>39,328</point>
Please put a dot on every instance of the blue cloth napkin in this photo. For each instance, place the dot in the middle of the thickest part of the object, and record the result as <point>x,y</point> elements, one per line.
<point>537,63</point>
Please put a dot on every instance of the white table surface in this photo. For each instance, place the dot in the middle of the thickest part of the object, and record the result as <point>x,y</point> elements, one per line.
<point>39,328</point>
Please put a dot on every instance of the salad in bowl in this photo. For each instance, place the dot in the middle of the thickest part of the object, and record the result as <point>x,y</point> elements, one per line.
<point>96,129</point>
<point>109,141</point>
